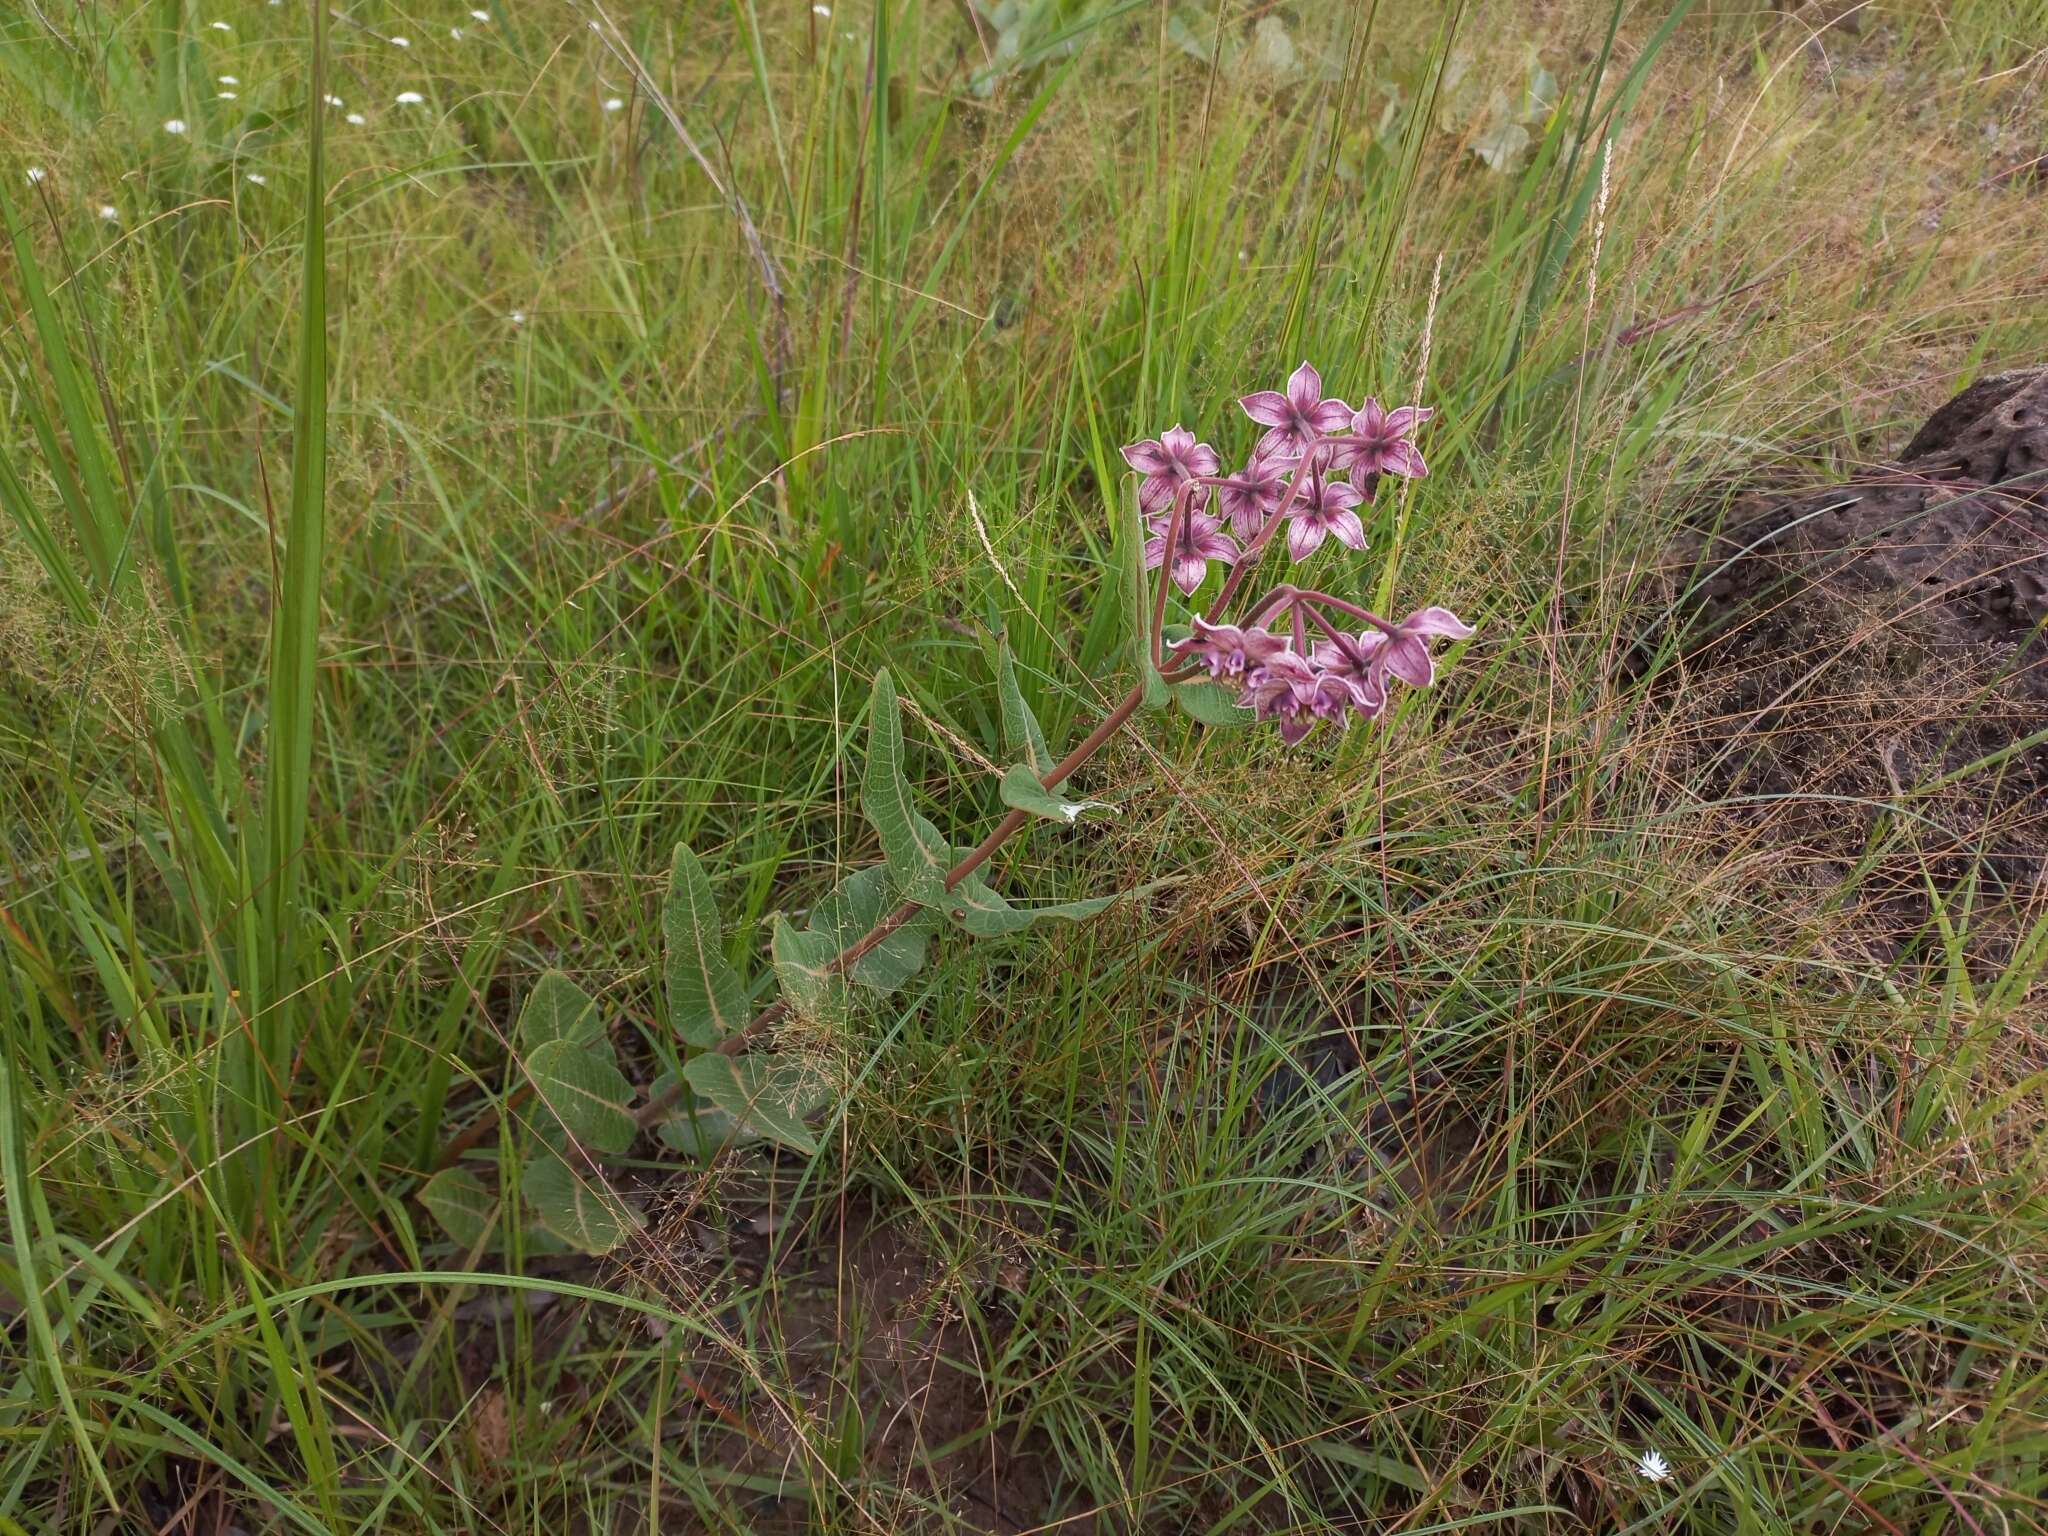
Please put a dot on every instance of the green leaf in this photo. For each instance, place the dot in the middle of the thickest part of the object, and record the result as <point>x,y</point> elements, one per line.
<point>756,1092</point>
<point>695,1129</point>
<point>982,911</point>
<point>586,1093</point>
<point>803,965</point>
<point>577,1205</point>
<point>1020,727</point>
<point>1137,599</point>
<point>916,854</point>
<point>850,913</point>
<point>558,1009</point>
<point>706,1000</point>
<point>1211,703</point>
<point>458,1200</point>
<point>1023,792</point>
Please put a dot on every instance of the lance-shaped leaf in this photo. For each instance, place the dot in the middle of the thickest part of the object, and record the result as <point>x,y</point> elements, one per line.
<point>577,1205</point>
<point>585,1092</point>
<point>756,1092</point>
<point>1211,703</point>
<point>916,854</point>
<point>1021,734</point>
<point>558,1009</point>
<point>1137,597</point>
<point>803,965</point>
<point>706,999</point>
<point>981,910</point>
<point>458,1200</point>
<point>850,913</point>
<point>1023,792</point>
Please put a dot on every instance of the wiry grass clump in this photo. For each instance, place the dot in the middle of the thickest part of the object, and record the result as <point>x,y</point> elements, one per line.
<point>646,439</point>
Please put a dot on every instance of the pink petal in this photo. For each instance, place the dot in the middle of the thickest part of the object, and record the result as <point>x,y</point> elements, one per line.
<point>1155,494</point>
<point>1436,621</point>
<point>1408,659</point>
<point>1202,460</point>
<point>1177,440</point>
<point>1216,546</point>
<point>1304,388</point>
<point>1401,457</point>
<point>1404,421</point>
<point>1347,529</point>
<point>1331,415</point>
<point>1148,457</point>
<point>1371,419</point>
<point>1304,535</point>
<point>1339,494</point>
<point>1155,551</point>
<point>1280,444</point>
<point>1188,571</point>
<point>1267,407</point>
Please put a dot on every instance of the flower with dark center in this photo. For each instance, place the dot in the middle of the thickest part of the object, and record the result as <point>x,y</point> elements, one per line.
<point>1297,418</point>
<point>1201,540</point>
<point>1321,511</point>
<point>1227,651</point>
<point>1167,462</point>
<point>1386,445</point>
<point>1252,495</point>
<point>1353,661</point>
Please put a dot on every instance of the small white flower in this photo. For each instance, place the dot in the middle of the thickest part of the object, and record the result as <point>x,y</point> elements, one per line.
<point>613,104</point>
<point>220,26</point>
<point>257,178</point>
<point>227,96</point>
<point>1652,1467</point>
<point>401,42</point>
<point>110,213</point>
<point>356,119</point>
<point>517,317</point>
<point>822,10</point>
<point>37,175</point>
<point>480,15</point>
<point>228,80</point>
<point>333,100</point>
<point>174,125</point>
<point>456,33</point>
<point>410,98</point>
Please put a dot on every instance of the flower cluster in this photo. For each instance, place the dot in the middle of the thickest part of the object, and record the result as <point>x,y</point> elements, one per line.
<point>1316,464</point>
<point>1300,464</point>
<point>1342,675</point>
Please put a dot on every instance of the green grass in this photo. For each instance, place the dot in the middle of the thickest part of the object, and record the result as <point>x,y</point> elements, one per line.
<point>403,552</point>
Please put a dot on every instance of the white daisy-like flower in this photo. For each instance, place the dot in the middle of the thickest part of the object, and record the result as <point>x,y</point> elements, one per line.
<point>356,119</point>
<point>1652,1467</point>
<point>613,104</point>
<point>37,175</point>
<point>257,178</point>
<point>220,26</point>
<point>333,100</point>
<point>228,96</point>
<point>517,317</point>
<point>227,79</point>
<point>822,10</point>
<point>456,33</point>
<point>480,15</point>
<point>174,125</point>
<point>110,213</point>
<point>410,98</point>
<point>401,42</point>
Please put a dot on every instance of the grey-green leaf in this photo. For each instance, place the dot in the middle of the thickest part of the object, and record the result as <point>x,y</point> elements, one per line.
<point>1023,792</point>
<point>981,910</point>
<point>558,1009</point>
<point>803,965</point>
<point>1021,734</point>
<point>577,1205</point>
<point>755,1092</point>
<point>850,913</point>
<point>1211,703</point>
<point>916,854</point>
<point>585,1092</point>
<point>695,1129</point>
<point>458,1200</point>
<point>706,999</point>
